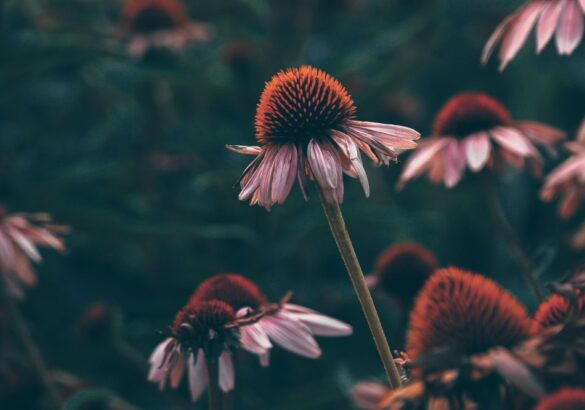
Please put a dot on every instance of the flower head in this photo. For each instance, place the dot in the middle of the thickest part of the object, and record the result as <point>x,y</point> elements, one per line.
<point>568,398</point>
<point>557,309</point>
<point>20,234</point>
<point>402,269</point>
<point>160,23</point>
<point>232,288</point>
<point>465,311</point>
<point>466,132</point>
<point>306,127</point>
<point>565,17</point>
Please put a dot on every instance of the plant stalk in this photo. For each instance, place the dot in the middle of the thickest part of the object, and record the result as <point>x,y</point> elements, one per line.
<point>214,394</point>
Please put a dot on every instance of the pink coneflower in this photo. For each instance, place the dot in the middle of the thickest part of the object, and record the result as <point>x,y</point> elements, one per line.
<point>563,16</point>
<point>568,182</point>
<point>20,234</point>
<point>305,123</point>
<point>568,398</point>
<point>290,326</point>
<point>466,132</point>
<point>160,24</point>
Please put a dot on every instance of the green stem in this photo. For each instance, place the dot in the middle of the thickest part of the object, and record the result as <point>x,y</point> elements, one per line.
<point>343,241</point>
<point>214,394</point>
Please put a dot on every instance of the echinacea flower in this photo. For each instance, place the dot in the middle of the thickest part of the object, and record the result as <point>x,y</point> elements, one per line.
<point>402,269</point>
<point>565,17</point>
<point>305,123</point>
<point>568,398</point>
<point>20,235</point>
<point>464,311</point>
<point>466,133</point>
<point>290,326</point>
<point>568,182</point>
<point>557,309</point>
<point>160,24</point>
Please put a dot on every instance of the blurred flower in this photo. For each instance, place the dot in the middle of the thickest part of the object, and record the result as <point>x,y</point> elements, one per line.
<point>557,309</point>
<point>288,325</point>
<point>568,182</point>
<point>305,123</point>
<point>20,234</point>
<point>368,395</point>
<point>563,16</point>
<point>238,52</point>
<point>567,398</point>
<point>160,24</point>
<point>96,323</point>
<point>464,311</point>
<point>401,270</point>
<point>464,132</point>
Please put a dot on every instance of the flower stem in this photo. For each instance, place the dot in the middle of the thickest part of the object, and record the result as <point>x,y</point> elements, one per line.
<point>343,241</point>
<point>34,355</point>
<point>214,394</point>
<point>507,233</point>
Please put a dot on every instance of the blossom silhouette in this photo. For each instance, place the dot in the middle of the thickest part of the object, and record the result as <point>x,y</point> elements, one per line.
<point>466,133</point>
<point>305,123</point>
<point>563,17</point>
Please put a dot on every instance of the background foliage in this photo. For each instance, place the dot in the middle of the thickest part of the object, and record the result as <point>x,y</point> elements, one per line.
<point>131,155</point>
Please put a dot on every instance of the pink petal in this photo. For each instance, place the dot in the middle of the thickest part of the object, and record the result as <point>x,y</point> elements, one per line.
<point>226,372</point>
<point>570,28</point>
<point>319,324</point>
<point>514,141</point>
<point>389,129</point>
<point>372,281</point>
<point>26,245</point>
<point>477,150</point>
<point>351,150</point>
<point>326,168</point>
<point>246,150</point>
<point>582,5</point>
<point>24,270</point>
<point>265,359</point>
<point>454,162</point>
<point>368,395</point>
<point>177,370</point>
<point>541,133</point>
<point>291,334</point>
<point>421,159</point>
<point>6,251</point>
<point>547,23</point>
<point>254,339</point>
<point>198,377</point>
<point>285,171</point>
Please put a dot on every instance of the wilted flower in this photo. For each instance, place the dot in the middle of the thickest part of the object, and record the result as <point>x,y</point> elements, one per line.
<point>402,269</point>
<point>565,17</point>
<point>557,309</point>
<point>568,182</point>
<point>466,132</point>
<point>464,311</point>
<point>568,398</point>
<point>20,234</point>
<point>288,325</point>
<point>305,123</point>
<point>161,24</point>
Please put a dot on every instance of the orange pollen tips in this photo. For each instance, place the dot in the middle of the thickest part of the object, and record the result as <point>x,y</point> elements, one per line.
<point>302,103</point>
<point>147,16</point>
<point>196,320</point>
<point>468,113</point>
<point>235,290</point>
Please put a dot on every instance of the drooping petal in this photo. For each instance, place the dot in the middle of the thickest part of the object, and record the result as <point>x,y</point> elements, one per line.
<point>547,23</point>
<point>321,325</point>
<point>496,36</point>
<point>226,372</point>
<point>177,371</point>
<point>265,359</point>
<point>351,151</point>
<point>454,163</point>
<point>477,150</point>
<point>26,245</point>
<point>514,141</point>
<point>244,149</point>
<point>285,171</point>
<point>569,28</point>
<point>254,339</point>
<point>543,134</point>
<point>325,166</point>
<point>198,376</point>
<point>291,334</point>
<point>422,159</point>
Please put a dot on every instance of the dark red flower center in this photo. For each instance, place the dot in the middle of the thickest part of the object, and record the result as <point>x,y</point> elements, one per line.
<point>147,16</point>
<point>302,103</point>
<point>196,320</point>
<point>231,288</point>
<point>467,113</point>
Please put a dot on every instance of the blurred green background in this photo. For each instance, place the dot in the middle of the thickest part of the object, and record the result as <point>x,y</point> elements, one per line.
<point>130,153</point>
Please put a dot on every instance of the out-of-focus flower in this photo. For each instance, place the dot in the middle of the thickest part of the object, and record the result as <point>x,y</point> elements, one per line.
<point>306,127</point>
<point>160,24</point>
<point>96,323</point>
<point>568,182</point>
<point>290,326</point>
<point>557,309</point>
<point>565,17</point>
<point>565,399</point>
<point>368,395</point>
<point>466,132</point>
<point>467,312</point>
<point>20,234</point>
<point>401,270</point>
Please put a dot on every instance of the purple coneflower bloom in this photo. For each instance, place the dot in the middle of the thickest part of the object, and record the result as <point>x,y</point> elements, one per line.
<point>565,17</point>
<point>466,133</point>
<point>305,123</point>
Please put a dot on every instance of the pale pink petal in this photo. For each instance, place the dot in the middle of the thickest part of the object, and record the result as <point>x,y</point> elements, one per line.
<point>514,141</point>
<point>518,32</point>
<point>372,281</point>
<point>24,270</point>
<point>291,334</point>
<point>368,395</point>
<point>571,200</point>
<point>254,339</point>
<point>351,151</point>
<point>543,134</point>
<point>496,36</point>
<point>265,359</point>
<point>321,325</point>
<point>285,171</point>
<point>389,129</point>
<point>158,367</point>
<point>26,245</point>
<point>570,28</point>
<point>454,162</point>
<point>477,150</point>
<point>326,168</point>
<point>198,377</point>
<point>421,159</point>
<point>177,370</point>
<point>246,150</point>
<point>6,251</point>
<point>547,23</point>
<point>226,372</point>
<point>583,5</point>
<point>561,174</point>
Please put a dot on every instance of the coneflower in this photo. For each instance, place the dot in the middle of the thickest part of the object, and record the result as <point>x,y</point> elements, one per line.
<point>160,23</point>
<point>306,127</point>
<point>465,311</point>
<point>568,398</point>
<point>401,270</point>
<point>563,17</point>
<point>557,309</point>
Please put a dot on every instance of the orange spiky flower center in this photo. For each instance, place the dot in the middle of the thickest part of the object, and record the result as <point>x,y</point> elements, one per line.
<point>196,321</point>
<point>147,16</point>
<point>568,398</point>
<point>302,103</point>
<point>465,311</point>
<point>231,288</point>
<point>557,309</point>
<point>468,113</point>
